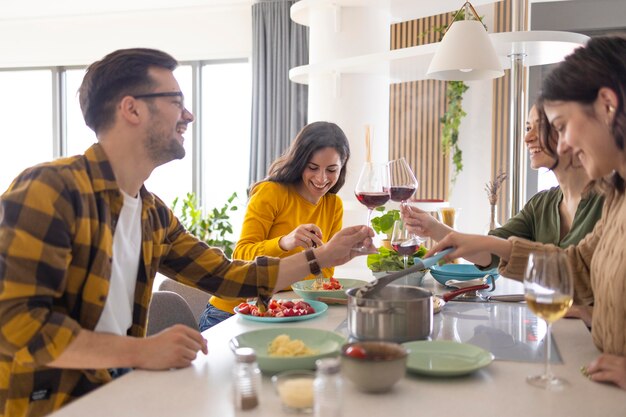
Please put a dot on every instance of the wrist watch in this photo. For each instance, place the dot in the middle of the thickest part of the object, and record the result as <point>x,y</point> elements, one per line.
<point>314,267</point>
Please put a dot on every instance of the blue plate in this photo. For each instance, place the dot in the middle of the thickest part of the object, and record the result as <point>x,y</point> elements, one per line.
<point>319,307</point>
<point>461,272</point>
<point>466,270</point>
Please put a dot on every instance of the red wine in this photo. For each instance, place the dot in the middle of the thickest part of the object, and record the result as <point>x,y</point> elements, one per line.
<point>404,250</point>
<point>372,200</point>
<point>401,193</point>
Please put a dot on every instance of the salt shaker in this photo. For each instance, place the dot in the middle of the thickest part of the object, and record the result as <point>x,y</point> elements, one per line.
<point>327,388</point>
<point>246,379</point>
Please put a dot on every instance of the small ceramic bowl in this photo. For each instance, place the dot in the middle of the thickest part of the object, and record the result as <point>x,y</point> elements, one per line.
<point>295,389</point>
<point>373,366</point>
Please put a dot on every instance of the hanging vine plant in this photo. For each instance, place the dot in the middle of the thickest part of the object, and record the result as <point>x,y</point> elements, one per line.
<point>450,122</point>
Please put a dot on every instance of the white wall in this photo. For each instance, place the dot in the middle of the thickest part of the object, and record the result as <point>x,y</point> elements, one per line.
<point>218,32</point>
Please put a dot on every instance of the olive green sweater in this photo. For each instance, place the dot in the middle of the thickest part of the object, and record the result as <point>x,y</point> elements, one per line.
<point>540,220</point>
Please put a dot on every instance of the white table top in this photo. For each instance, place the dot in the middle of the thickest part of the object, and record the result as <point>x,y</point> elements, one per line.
<point>204,389</point>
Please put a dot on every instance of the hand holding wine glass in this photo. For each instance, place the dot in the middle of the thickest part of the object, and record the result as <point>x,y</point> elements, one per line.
<point>549,291</point>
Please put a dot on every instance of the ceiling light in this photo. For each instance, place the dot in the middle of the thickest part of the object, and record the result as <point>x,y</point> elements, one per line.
<point>465,53</point>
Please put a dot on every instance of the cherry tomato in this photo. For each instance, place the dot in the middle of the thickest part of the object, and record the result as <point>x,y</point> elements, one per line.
<point>356,352</point>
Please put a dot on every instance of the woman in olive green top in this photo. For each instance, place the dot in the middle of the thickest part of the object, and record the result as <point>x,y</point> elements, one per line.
<point>562,215</point>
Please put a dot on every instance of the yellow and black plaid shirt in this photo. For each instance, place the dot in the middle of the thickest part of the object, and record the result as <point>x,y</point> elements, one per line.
<point>56,233</point>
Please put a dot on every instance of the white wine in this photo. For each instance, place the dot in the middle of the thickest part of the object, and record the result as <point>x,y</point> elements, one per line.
<point>549,309</point>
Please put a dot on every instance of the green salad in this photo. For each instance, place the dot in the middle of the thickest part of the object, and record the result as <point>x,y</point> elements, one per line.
<point>390,260</point>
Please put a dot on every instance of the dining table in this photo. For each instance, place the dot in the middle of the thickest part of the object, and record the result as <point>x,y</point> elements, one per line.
<point>499,389</point>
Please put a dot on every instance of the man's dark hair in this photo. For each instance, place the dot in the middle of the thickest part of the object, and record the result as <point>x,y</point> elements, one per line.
<point>121,73</point>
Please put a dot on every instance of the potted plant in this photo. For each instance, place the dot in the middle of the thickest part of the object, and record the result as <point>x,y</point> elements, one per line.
<point>215,228</point>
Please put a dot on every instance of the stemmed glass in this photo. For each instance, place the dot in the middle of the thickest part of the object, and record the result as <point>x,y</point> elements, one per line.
<point>549,291</point>
<point>402,185</point>
<point>402,181</point>
<point>403,241</point>
<point>372,190</point>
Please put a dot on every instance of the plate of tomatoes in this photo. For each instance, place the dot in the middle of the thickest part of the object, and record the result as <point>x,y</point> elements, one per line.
<point>279,311</point>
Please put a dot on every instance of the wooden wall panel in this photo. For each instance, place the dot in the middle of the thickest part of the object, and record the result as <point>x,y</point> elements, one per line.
<point>414,113</point>
<point>416,107</point>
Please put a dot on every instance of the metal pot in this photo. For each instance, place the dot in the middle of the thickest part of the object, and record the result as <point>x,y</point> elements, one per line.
<point>396,314</point>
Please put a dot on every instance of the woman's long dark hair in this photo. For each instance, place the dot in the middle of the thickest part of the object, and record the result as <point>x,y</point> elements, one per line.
<point>288,168</point>
<point>601,63</point>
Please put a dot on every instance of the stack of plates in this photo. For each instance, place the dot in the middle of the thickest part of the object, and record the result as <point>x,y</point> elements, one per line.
<point>460,272</point>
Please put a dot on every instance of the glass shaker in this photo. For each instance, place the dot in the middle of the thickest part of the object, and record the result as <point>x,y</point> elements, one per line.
<point>246,379</point>
<point>327,388</point>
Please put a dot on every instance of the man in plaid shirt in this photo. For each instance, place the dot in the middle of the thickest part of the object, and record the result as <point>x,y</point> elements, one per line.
<point>81,241</point>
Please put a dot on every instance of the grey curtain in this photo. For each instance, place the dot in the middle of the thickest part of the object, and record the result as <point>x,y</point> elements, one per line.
<point>279,106</point>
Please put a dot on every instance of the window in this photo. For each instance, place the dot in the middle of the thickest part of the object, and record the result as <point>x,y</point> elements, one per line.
<point>546,179</point>
<point>225,98</point>
<point>26,120</point>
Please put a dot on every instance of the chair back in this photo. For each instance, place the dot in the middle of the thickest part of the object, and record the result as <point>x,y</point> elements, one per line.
<point>167,309</point>
<point>196,299</point>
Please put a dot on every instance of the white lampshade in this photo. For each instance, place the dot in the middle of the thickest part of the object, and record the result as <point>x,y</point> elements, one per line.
<point>465,54</point>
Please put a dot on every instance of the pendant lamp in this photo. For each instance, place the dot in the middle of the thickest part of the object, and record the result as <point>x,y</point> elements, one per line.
<point>465,53</point>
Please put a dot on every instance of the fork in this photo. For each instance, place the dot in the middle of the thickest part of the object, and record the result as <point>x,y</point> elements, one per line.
<point>319,281</point>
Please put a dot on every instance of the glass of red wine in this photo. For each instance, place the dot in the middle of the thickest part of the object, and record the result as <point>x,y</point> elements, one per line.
<point>402,181</point>
<point>372,190</point>
<point>403,241</point>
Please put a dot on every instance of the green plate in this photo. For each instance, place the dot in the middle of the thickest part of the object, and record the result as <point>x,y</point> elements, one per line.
<point>319,307</point>
<point>445,358</point>
<point>304,290</point>
<point>325,342</point>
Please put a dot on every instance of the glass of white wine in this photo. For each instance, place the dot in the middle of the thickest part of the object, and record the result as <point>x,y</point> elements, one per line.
<point>549,291</point>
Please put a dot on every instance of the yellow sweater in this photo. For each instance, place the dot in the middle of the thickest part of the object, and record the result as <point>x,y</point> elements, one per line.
<point>274,210</point>
<point>599,266</point>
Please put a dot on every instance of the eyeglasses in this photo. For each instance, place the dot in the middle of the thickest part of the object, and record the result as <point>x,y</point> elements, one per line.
<point>153,95</point>
<point>181,104</point>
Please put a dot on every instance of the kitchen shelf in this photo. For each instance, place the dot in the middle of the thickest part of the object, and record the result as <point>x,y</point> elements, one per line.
<point>411,64</point>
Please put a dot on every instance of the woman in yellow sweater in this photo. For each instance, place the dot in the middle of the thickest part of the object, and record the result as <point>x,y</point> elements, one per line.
<point>584,101</point>
<point>295,208</point>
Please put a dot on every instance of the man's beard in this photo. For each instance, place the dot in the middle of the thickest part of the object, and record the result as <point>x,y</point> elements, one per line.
<point>161,150</point>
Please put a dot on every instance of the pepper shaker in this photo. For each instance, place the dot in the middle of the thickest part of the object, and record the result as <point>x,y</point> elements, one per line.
<point>246,379</point>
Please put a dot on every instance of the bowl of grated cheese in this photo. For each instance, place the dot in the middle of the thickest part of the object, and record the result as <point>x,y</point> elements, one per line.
<point>281,349</point>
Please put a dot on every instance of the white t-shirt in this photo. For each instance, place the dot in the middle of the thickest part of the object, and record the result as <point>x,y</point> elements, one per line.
<point>117,316</point>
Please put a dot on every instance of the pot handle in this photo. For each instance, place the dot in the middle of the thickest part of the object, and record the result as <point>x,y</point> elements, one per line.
<point>450,295</point>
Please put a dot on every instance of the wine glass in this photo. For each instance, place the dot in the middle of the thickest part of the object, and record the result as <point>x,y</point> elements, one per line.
<point>549,290</point>
<point>402,181</point>
<point>402,185</point>
<point>372,190</point>
<point>403,241</point>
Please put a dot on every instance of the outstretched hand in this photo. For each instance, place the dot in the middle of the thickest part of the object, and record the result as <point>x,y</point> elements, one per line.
<point>475,248</point>
<point>422,223</point>
<point>305,236</point>
<point>341,248</point>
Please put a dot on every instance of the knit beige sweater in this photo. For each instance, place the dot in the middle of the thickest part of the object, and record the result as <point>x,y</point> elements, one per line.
<point>599,265</point>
